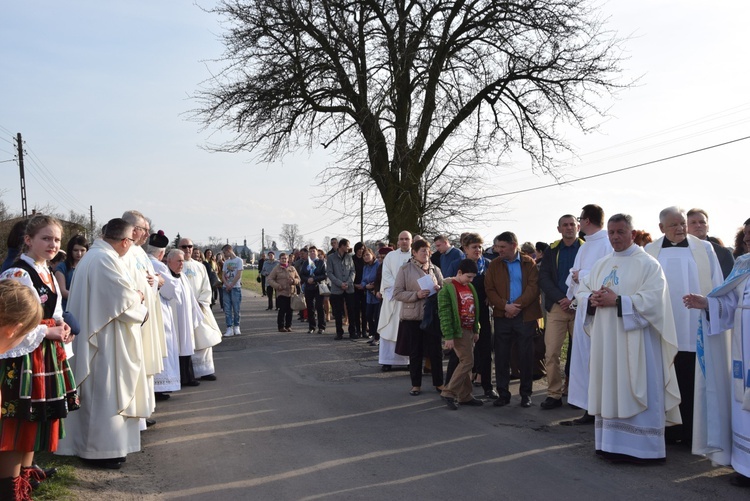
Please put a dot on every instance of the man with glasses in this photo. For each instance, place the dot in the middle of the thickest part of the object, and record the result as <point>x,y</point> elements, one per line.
<point>197,277</point>
<point>690,266</point>
<point>152,331</point>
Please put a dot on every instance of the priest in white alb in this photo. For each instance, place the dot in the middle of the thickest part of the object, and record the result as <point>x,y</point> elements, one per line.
<point>390,310</point>
<point>207,333</point>
<point>633,391</point>
<point>728,308</point>
<point>690,266</point>
<point>596,247</point>
<point>168,380</point>
<point>109,364</point>
<point>186,313</point>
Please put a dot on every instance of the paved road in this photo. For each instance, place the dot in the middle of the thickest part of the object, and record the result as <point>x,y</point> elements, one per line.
<point>300,416</point>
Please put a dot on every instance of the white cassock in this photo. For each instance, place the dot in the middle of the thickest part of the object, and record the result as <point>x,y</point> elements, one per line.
<point>596,247</point>
<point>633,389</point>
<point>695,269</point>
<point>169,378</point>
<point>729,308</point>
<point>390,310</point>
<point>197,277</point>
<point>108,367</point>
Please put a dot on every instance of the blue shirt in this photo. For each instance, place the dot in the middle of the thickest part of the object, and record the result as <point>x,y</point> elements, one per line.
<point>566,256</point>
<point>514,273</point>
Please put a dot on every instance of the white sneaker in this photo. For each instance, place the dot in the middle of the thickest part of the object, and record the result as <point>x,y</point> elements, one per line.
<point>236,330</point>
<point>229,332</point>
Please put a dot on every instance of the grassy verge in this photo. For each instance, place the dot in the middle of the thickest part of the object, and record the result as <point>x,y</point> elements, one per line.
<point>250,282</point>
<point>62,485</point>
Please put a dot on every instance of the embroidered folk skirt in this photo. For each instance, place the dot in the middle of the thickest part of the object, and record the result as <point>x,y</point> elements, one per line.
<point>38,390</point>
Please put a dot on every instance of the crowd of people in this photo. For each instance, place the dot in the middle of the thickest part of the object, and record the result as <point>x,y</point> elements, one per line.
<point>90,345</point>
<point>655,334</point>
<point>654,328</point>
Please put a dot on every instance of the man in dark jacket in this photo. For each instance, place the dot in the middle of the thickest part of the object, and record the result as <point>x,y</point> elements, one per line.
<point>312,273</point>
<point>513,292</point>
<point>553,273</point>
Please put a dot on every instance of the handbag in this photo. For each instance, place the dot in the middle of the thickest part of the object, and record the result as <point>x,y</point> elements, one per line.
<point>323,289</point>
<point>298,303</point>
<point>258,279</point>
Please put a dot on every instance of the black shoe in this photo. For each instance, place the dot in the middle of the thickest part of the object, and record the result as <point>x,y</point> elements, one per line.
<point>338,337</point>
<point>321,331</point>
<point>209,377</point>
<point>150,422</point>
<point>474,402</point>
<point>491,395</point>
<point>572,406</point>
<point>386,368</point>
<point>739,480</point>
<point>525,401</point>
<point>501,402</point>
<point>192,383</point>
<point>109,464</point>
<point>311,331</point>
<point>551,403</point>
<point>450,402</point>
<point>161,396</point>
<point>581,421</point>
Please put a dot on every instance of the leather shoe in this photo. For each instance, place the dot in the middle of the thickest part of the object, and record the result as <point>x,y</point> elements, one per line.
<point>525,401</point>
<point>491,394</point>
<point>150,422</point>
<point>386,368</point>
<point>551,403</point>
<point>192,383</point>
<point>472,403</point>
<point>209,377</point>
<point>450,403</point>
<point>501,402</point>
<point>581,421</point>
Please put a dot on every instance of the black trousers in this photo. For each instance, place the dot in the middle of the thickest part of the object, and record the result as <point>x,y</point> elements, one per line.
<point>373,317</point>
<point>269,293</point>
<point>360,312</point>
<point>422,344</point>
<point>314,307</point>
<point>506,331</point>
<point>337,304</point>
<point>684,367</point>
<point>284,318</point>
<point>186,370</point>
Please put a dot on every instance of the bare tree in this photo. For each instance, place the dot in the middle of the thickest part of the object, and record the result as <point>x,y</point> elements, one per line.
<point>290,236</point>
<point>421,100</point>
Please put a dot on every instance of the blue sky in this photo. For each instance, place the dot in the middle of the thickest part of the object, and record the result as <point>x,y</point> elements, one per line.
<point>101,93</point>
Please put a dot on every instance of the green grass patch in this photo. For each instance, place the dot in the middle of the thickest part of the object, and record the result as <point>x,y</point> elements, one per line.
<point>62,485</point>
<point>250,281</point>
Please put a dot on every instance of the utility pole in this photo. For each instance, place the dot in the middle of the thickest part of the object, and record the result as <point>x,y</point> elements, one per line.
<point>24,211</point>
<point>91,223</point>
<point>262,240</point>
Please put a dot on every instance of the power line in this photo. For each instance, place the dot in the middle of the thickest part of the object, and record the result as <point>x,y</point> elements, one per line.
<point>672,157</point>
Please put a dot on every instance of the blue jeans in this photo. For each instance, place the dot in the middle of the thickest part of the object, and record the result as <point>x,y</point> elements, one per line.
<point>232,306</point>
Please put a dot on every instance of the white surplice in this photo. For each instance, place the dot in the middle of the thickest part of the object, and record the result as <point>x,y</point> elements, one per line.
<point>390,310</point>
<point>633,389</point>
<point>109,364</point>
<point>695,269</point>
<point>169,378</point>
<point>197,276</point>
<point>729,308</point>
<point>596,247</point>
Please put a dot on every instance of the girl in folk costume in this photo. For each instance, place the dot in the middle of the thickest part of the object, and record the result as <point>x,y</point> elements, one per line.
<point>36,382</point>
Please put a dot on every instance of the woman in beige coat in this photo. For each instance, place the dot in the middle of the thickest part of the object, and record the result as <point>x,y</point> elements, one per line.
<point>284,280</point>
<point>412,340</point>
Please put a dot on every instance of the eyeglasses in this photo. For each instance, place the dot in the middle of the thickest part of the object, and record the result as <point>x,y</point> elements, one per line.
<point>186,246</point>
<point>146,230</point>
<point>579,219</point>
<point>128,238</point>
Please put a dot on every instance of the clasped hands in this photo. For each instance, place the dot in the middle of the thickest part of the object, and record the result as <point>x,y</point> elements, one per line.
<point>603,297</point>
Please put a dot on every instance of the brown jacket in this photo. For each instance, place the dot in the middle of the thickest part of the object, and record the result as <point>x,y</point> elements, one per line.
<point>406,287</point>
<point>497,287</point>
<point>283,280</point>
